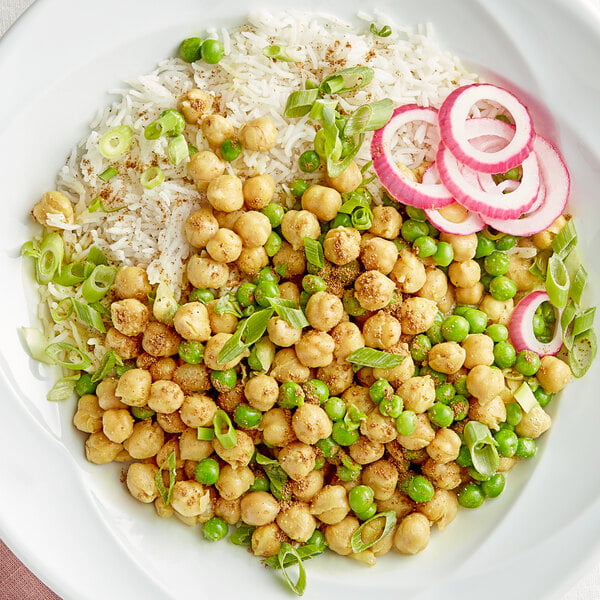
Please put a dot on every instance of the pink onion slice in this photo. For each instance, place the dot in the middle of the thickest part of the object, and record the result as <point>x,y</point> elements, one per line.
<point>520,327</point>
<point>419,195</point>
<point>453,116</point>
<point>554,193</point>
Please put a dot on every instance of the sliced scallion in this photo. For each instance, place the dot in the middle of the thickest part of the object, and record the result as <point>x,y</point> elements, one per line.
<point>313,251</point>
<point>115,142</point>
<point>300,102</point>
<point>377,359</point>
<point>177,150</point>
<point>227,438</point>
<point>316,111</point>
<point>565,240</point>
<point>292,315</point>
<point>171,464</point>
<point>108,174</point>
<point>276,52</point>
<point>557,282</point>
<point>369,117</point>
<point>52,251</point>
<point>88,315</point>
<point>566,324</point>
<point>347,80</point>
<point>206,434</point>
<point>255,326</point>
<point>97,204</point>
<point>288,553</point>
<point>152,177</point>
<point>583,352</point>
<point>524,396</point>
<point>30,248</point>
<point>95,256</point>
<point>482,448</point>
<point>389,521</point>
<point>71,274</point>
<point>383,32</point>
<point>63,310</point>
<point>170,123</point>
<point>362,218</point>
<point>63,389</point>
<point>68,356</point>
<point>35,344</point>
<point>242,536</point>
<point>109,361</point>
<point>578,284</point>
<point>98,283</point>
<point>584,321</point>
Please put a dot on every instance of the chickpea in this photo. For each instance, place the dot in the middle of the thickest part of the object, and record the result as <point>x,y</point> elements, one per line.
<point>479,349</point>
<point>373,290</point>
<point>117,424</point>
<point>417,315</point>
<point>141,482</point>
<point>195,104</point>
<point>519,272</point>
<point>261,392</point>
<point>464,274</point>
<point>134,387</point>
<point>253,228</point>
<point>446,476</point>
<point>225,246</point>
<point>126,347</point>
<point>224,193</point>
<point>204,167</point>
<point>382,330</point>
<point>490,413</point>
<point>105,393</point>
<point>53,203</point>
<point>342,245</point>
<point>191,321</point>
<point>292,261</point>
<point>192,378</point>
<point>398,375</point>
<point>359,396</point>
<point>171,422</point>
<point>88,417</point>
<point>298,224</point>
<point>534,423</point>
<point>464,246</point>
<point>412,535</point>
<point>287,367</point>
<point>228,219</point>
<point>145,441</point>
<point>470,295</point>
<point>441,509</point>
<point>305,489</point>
<point>485,383</point>
<point>445,446</point>
<point>163,368</point>
<point>240,454</point>
<point>258,191</point>
<point>217,129</point>
<point>347,181</point>
<point>252,260</point>
<point>276,426</point>
<point>233,483</point>
<point>228,510</point>
<point>259,134</point>
<point>347,338</point>
<point>129,316</point>
<point>498,311</point>
<point>190,498</point>
<point>421,437</point>
<point>323,202</point>
<point>315,349</point>
<point>339,535</point>
<point>447,302</point>
<point>418,393</point>
<point>338,376</point>
<point>386,222</point>
<point>297,522</point>
<point>330,505</point>
<point>165,396</point>
<point>160,340</point>
<point>297,459</point>
<point>553,374</point>
<point>324,311</point>
<point>267,540</point>
<point>506,463</point>
<point>258,508</point>
<point>365,451</point>
<point>99,450</point>
<point>447,357</point>
<point>379,428</point>
<point>435,286</point>
<point>543,239</point>
<point>132,282</point>
<point>311,423</point>
<point>211,353</point>
<point>382,477</point>
<point>162,510</point>
<point>290,291</point>
<point>379,254</point>
<point>281,333</point>
<point>191,448</point>
<point>402,505</point>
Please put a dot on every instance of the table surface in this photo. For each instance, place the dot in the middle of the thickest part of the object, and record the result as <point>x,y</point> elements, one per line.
<point>18,583</point>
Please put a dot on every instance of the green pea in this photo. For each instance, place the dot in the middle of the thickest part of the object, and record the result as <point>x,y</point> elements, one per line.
<point>142,412</point>
<point>406,423</point>
<point>506,242</point>
<point>433,232</point>
<point>309,161</point>
<point>485,246</point>
<point>298,187</point>
<point>207,471</point>
<point>274,212</point>
<point>344,436</point>
<point>400,244</point>
<point>85,385</point>
<point>460,407</point>
<point>214,529</point>
<point>246,416</point>
<point>503,288</point>
<point>542,396</point>
<point>438,378</point>
<point>498,332</point>
<point>485,280</point>
<point>212,51</point>
<point>313,284</point>
<point>464,457</point>
<point>477,320</point>
<point>335,408</point>
<point>504,355</point>
<point>328,447</point>
<point>245,294</point>
<point>444,254</point>
<point>527,363</point>
<point>380,389</point>
<point>319,462</point>
<point>360,498</point>
<point>425,246</point>
<point>533,383</point>
<point>420,489</point>
<point>191,352</point>
<point>273,244</point>
<point>264,291</point>
<point>455,328</point>
<point>291,395</point>
<point>445,393</point>
<point>369,512</point>
<point>315,389</point>
<point>434,333</point>
<point>304,298</point>
<point>411,230</point>
<point>461,309</point>
<point>460,385</point>
<point>493,486</point>
<point>497,263</point>
<point>223,381</point>
<point>471,496</point>
<point>203,295</point>
<point>548,312</point>
<point>349,472</point>
<point>261,484</point>
<point>506,426</point>
<point>230,150</point>
<point>352,305</point>
<point>526,448</point>
<point>416,214</point>
<point>420,346</point>
<point>341,220</point>
<point>318,540</point>
<point>190,50</point>
<point>514,413</point>
<point>267,274</point>
<point>391,407</point>
<point>507,442</point>
<point>441,415</point>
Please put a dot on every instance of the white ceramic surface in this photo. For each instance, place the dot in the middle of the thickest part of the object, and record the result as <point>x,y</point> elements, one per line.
<point>74,524</point>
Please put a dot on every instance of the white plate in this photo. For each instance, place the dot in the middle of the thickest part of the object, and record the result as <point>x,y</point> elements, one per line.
<point>74,524</point>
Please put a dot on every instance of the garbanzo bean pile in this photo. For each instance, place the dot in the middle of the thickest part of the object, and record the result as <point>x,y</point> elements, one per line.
<point>336,373</point>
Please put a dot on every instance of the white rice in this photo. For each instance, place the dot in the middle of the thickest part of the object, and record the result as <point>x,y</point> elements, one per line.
<point>409,67</point>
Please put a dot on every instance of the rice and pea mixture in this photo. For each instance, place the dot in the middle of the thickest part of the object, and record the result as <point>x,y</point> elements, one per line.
<point>274,348</point>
